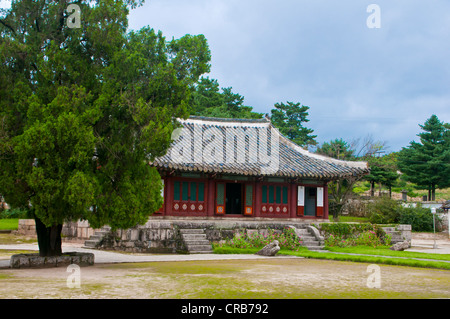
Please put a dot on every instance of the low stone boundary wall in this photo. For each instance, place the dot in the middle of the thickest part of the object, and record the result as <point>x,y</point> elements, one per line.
<point>78,231</point>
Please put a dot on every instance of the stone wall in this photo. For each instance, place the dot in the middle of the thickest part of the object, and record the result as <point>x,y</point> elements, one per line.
<point>27,227</point>
<point>163,236</point>
<point>78,231</point>
<point>72,231</point>
<point>153,237</point>
<point>399,233</point>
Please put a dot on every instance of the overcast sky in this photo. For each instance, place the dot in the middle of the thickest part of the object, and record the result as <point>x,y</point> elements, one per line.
<point>357,81</point>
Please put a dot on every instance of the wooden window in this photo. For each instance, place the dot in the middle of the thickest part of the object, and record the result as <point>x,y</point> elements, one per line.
<point>271,194</point>
<point>201,192</point>
<point>188,191</point>
<point>176,190</point>
<point>185,191</point>
<point>285,195</point>
<point>278,195</point>
<point>193,196</point>
<point>264,194</point>
<point>220,193</point>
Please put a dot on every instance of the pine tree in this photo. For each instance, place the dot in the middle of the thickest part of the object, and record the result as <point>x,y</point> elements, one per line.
<point>427,163</point>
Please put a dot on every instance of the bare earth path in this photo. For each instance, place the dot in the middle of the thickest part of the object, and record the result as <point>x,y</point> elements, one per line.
<point>269,278</point>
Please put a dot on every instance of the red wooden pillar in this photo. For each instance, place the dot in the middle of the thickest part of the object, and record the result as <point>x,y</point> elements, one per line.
<point>258,199</point>
<point>168,196</point>
<point>325,201</point>
<point>211,198</point>
<point>293,200</point>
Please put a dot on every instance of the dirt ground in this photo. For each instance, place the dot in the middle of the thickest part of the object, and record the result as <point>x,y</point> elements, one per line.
<point>259,279</point>
<point>275,278</point>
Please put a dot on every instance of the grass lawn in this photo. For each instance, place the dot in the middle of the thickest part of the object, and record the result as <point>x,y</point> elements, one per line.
<point>361,254</point>
<point>385,251</point>
<point>9,224</point>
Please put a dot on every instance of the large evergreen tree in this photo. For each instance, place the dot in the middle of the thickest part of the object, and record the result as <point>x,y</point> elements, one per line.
<point>427,163</point>
<point>83,110</point>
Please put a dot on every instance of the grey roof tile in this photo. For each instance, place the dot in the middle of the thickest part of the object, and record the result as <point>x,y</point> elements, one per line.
<point>241,146</point>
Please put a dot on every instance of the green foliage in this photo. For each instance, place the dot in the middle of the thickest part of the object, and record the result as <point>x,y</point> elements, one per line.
<point>383,170</point>
<point>384,210</point>
<point>427,163</point>
<point>207,100</point>
<point>346,230</point>
<point>348,234</point>
<point>83,110</point>
<point>420,218</point>
<point>388,211</point>
<point>14,213</point>
<point>368,238</point>
<point>289,119</point>
<point>337,148</point>
<point>287,240</point>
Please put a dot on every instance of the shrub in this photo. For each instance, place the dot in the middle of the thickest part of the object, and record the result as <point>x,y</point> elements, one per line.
<point>366,238</point>
<point>287,240</point>
<point>346,230</point>
<point>384,211</point>
<point>420,218</point>
<point>14,213</point>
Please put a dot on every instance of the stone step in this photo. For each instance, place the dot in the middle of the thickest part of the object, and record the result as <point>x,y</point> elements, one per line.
<point>194,236</point>
<point>200,251</point>
<point>191,231</point>
<point>316,247</point>
<point>90,243</point>
<point>201,247</point>
<point>196,242</point>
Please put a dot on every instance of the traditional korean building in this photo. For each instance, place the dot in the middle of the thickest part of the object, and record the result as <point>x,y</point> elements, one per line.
<point>228,168</point>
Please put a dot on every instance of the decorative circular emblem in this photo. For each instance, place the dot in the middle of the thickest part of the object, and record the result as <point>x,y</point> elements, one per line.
<point>220,209</point>
<point>278,209</point>
<point>200,207</point>
<point>270,209</point>
<point>192,207</point>
<point>184,206</point>
<point>264,208</point>
<point>176,206</point>
<point>284,209</point>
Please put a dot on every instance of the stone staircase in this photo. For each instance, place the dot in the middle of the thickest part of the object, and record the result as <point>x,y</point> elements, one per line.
<point>195,241</point>
<point>310,238</point>
<point>95,239</point>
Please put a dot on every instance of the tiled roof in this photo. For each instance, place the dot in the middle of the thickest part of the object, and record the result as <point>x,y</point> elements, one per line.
<point>247,147</point>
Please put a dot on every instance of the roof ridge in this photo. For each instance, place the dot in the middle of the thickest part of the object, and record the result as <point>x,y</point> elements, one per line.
<point>228,120</point>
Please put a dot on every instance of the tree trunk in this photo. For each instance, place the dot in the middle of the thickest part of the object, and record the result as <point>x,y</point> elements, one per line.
<point>372,188</point>
<point>49,239</point>
<point>433,192</point>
